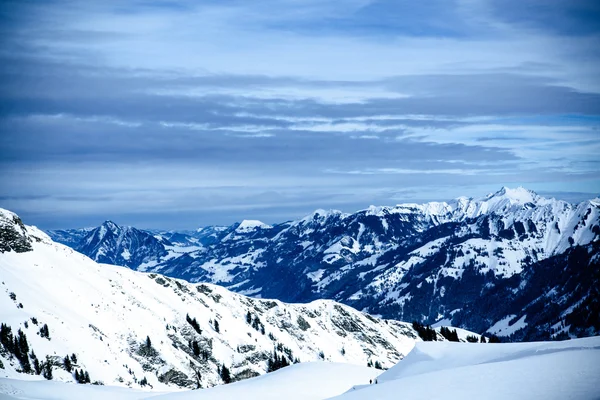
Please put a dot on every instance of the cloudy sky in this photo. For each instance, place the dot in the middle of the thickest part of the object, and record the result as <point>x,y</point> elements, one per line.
<point>179,114</point>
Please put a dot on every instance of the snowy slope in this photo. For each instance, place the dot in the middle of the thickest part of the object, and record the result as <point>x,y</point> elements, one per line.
<point>432,370</point>
<point>545,370</point>
<point>306,381</point>
<point>104,314</point>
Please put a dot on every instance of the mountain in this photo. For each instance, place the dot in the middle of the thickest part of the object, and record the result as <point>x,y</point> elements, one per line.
<point>513,262</point>
<point>113,244</point>
<point>127,328</point>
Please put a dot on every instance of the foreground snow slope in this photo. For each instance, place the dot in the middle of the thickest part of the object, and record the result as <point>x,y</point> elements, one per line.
<point>543,370</point>
<point>306,381</point>
<point>104,314</point>
<point>433,370</point>
<point>13,389</point>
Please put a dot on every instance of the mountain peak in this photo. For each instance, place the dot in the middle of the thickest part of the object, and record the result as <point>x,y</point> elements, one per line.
<point>251,224</point>
<point>517,195</point>
<point>110,225</point>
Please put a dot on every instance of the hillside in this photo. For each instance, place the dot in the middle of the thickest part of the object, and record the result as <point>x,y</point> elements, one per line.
<point>127,328</point>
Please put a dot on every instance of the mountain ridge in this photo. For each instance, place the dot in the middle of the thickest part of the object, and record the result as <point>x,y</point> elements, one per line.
<point>401,261</point>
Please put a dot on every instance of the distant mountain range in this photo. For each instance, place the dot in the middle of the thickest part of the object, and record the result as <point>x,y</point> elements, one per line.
<point>511,263</point>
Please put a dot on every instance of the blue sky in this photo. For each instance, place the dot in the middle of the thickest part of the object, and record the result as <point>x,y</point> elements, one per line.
<point>179,114</point>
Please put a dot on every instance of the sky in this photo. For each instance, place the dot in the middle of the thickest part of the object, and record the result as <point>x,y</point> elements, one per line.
<point>179,114</point>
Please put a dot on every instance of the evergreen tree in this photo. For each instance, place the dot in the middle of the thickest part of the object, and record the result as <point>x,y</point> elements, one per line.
<point>23,345</point>
<point>195,348</point>
<point>47,369</point>
<point>194,324</point>
<point>425,332</point>
<point>217,329</point>
<point>148,342</point>
<point>482,339</point>
<point>73,358</point>
<point>472,339</point>
<point>67,364</point>
<point>37,367</point>
<point>45,332</point>
<point>225,374</point>
<point>276,362</point>
<point>6,338</point>
<point>494,339</point>
<point>87,377</point>
<point>249,317</point>
<point>21,351</point>
<point>77,376</point>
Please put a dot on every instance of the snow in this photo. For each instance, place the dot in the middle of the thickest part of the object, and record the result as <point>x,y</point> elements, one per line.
<point>433,370</point>
<point>248,225</point>
<point>542,370</point>
<point>306,381</point>
<point>12,389</point>
<point>504,328</point>
<point>315,276</point>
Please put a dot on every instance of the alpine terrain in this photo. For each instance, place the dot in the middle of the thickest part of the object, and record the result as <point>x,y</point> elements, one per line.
<point>68,318</point>
<point>512,263</point>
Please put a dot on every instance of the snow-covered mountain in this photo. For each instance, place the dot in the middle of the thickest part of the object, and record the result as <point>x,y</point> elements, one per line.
<point>127,328</point>
<point>485,264</point>
<point>113,244</point>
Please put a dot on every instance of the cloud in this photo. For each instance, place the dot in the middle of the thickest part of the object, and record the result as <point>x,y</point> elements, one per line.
<point>218,109</point>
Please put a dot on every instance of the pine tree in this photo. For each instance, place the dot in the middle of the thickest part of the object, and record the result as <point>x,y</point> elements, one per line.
<point>225,374</point>
<point>482,339</point>
<point>21,351</point>
<point>37,367</point>
<point>193,323</point>
<point>77,376</point>
<point>23,345</point>
<point>67,364</point>
<point>45,332</point>
<point>148,342</point>
<point>87,377</point>
<point>472,339</point>
<point>6,338</point>
<point>47,369</point>
<point>73,358</point>
<point>195,348</point>
<point>217,329</point>
<point>249,317</point>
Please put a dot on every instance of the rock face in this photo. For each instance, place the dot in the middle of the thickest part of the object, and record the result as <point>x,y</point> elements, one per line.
<point>128,328</point>
<point>470,261</point>
<point>13,234</point>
